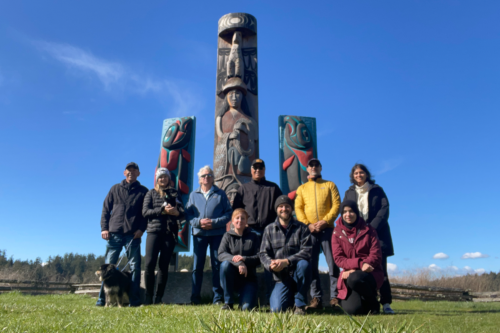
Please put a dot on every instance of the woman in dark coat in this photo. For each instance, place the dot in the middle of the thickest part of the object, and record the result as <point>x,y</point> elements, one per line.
<point>163,210</point>
<point>373,206</point>
<point>356,249</point>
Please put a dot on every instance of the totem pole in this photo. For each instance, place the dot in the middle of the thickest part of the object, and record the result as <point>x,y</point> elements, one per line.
<point>297,136</point>
<point>177,155</point>
<point>236,102</point>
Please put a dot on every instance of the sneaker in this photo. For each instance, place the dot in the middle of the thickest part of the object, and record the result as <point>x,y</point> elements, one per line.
<point>334,302</point>
<point>315,304</point>
<point>300,311</point>
<point>387,309</point>
<point>227,307</point>
<point>99,303</point>
<point>218,303</point>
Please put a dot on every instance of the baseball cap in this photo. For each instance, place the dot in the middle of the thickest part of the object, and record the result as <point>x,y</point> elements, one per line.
<point>132,165</point>
<point>258,161</point>
<point>313,160</point>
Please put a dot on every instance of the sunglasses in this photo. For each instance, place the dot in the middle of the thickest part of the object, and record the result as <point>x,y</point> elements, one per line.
<point>207,175</point>
<point>314,165</point>
<point>258,167</point>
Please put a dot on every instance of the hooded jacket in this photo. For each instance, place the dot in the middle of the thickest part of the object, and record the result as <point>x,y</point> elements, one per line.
<point>122,208</point>
<point>257,198</point>
<point>378,215</point>
<point>246,245</point>
<point>352,248</point>
<point>216,207</point>
<point>317,200</point>
<point>153,209</point>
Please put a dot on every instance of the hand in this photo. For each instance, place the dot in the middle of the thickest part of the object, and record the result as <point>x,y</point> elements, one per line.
<point>105,234</point>
<point>367,268</point>
<point>206,224</point>
<point>238,258</point>
<point>138,234</point>
<point>345,274</point>
<point>321,225</point>
<point>312,228</point>
<point>243,270</point>
<point>278,265</point>
<point>171,210</point>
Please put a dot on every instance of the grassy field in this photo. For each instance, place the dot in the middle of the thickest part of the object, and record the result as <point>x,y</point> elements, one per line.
<point>77,313</point>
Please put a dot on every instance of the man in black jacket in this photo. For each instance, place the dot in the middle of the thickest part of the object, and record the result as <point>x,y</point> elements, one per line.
<point>122,224</point>
<point>257,197</point>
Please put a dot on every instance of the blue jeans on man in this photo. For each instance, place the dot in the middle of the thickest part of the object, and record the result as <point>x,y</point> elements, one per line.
<point>293,289</point>
<point>114,246</point>
<point>200,245</point>
<point>231,281</point>
<point>268,276</point>
<point>323,240</point>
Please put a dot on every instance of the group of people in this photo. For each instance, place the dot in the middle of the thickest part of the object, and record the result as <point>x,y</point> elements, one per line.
<point>267,228</point>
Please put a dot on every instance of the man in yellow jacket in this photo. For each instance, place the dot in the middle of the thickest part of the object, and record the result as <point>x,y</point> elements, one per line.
<point>317,205</point>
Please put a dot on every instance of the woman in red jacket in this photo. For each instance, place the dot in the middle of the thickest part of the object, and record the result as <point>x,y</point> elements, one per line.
<point>356,249</point>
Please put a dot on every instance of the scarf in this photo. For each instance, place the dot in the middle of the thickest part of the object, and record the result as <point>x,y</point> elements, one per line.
<point>363,199</point>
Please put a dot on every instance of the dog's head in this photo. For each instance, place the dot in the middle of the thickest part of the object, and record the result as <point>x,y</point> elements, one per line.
<point>106,271</point>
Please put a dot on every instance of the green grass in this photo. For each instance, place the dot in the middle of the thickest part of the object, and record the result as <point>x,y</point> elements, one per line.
<point>77,313</point>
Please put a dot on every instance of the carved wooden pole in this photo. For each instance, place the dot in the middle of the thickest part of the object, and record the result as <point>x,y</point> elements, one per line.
<point>236,102</point>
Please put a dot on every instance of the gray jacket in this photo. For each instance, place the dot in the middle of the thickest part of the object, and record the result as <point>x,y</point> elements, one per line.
<point>246,245</point>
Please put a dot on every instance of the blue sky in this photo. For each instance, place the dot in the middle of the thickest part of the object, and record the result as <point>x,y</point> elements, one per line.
<point>410,88</point>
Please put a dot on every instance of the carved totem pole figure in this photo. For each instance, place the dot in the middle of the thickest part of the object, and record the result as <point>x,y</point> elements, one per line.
<point>297,146</point>
<point>236,105</point>
<point>177,155</point>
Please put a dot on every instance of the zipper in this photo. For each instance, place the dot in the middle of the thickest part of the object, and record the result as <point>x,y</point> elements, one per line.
<point>316,200</point>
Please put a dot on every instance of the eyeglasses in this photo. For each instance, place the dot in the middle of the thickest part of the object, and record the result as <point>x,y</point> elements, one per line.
<point>258,167</point>
<point>314,165</point>
<point>206,176</point>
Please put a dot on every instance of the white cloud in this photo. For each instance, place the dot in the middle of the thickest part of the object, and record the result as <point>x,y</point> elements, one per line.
<point>441,255</point>
<point>480,271</point>
<point>392,267</point>
<point>474,255</point>
<point>323,269</point>
<point>455,268</point>
<point>117,77</point>
<point>389,165</point>
<point>434,267</point>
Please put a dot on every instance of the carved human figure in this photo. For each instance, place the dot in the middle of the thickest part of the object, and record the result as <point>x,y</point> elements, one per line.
<point>234,64</point>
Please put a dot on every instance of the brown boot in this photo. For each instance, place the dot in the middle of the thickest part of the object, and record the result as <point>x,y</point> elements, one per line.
<point>315,304</point>
<point>334,302</point>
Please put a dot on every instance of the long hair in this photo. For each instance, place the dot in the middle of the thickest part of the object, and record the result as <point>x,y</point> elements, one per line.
<point>225,107</point>
<point>160,191</point>
<point>365,169</point>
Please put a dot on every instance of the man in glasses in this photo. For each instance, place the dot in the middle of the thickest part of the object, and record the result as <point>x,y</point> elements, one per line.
<point>317,205</point>
<point>208,211</point>
<point>258,197</point>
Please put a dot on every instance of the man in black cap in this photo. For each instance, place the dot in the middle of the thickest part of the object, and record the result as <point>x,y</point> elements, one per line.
<point>286,251</point>
<point>317,205</point>
<point>257,197</point>
<point>122,224</point>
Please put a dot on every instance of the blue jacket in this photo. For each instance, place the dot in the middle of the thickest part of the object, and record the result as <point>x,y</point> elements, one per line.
<point>217,208</point>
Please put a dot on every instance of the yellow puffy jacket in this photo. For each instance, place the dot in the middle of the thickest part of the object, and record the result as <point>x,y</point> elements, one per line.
<point>317,200</point>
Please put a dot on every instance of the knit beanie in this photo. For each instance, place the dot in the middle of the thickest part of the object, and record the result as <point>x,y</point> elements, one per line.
<point>283,199</point>
<point>352,204</point>
<point>162,171</point>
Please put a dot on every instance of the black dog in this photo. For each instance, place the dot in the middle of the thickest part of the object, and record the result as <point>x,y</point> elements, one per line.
<point>116,284</point>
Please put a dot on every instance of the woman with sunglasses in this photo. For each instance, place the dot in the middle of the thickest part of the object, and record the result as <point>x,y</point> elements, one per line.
<point>208,211</point>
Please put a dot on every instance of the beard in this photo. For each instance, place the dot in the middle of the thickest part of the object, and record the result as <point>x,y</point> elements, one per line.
<point>285,216</point>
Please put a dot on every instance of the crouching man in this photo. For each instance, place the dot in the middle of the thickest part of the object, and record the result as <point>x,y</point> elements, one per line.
<point>239,257</point>
<point>285,251</point>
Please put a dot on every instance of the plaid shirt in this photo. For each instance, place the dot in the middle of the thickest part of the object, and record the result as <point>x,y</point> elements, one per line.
<point>294,245</point>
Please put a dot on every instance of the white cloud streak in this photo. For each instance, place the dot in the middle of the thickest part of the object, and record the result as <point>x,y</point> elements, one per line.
<point>440,255</point>
<point>389,165</point>
<point>392,267</point>
<point>474,255</point>
<point>117,77</point>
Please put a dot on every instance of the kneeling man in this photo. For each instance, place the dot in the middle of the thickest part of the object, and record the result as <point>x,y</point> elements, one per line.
<point>239,257</point>
<point>286,251</point>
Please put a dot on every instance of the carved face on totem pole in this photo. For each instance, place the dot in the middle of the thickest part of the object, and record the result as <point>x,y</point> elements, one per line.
<point>236,139</point>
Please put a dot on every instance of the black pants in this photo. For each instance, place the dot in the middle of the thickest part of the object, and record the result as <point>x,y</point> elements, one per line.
<point>162,243</point>
<point>361,295</point>
<point>385,290</point>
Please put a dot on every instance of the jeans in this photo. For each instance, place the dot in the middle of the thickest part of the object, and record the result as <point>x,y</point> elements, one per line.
<point>362,294</point>
<point>163,244</point>
<point>323,240</point>
<point>385,290</point>
<point>295,286</point>
<point>200,245</point>
<point>231,279</point>
<point>268,276</point>
<point>113,248</point>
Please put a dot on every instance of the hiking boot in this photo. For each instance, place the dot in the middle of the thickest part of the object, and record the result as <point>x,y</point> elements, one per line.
<point>387,309</point>
<point>227,307</point>
<point>300,311</point>
<point>334,302</point>
<point>315,304</point>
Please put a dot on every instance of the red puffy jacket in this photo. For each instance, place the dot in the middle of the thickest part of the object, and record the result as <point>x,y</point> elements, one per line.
<point>352,248</point>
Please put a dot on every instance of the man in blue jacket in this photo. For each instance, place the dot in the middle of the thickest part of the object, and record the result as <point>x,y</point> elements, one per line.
<point>208,211</point>
<point>122,224</point>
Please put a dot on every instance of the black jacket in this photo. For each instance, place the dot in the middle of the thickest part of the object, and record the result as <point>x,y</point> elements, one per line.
<point>122,208</point>
<point>378,215</point>
<point>258,198</point>
<point>247,246</point>
<point>153,209</point>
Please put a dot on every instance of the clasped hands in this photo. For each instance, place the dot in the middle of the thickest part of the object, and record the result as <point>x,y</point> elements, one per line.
<point>318,226</point>
<point>242,268</point>
<point>366,268</point>
<point>277,265</point>
<point>206,224</point>
<point>171,210</point>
